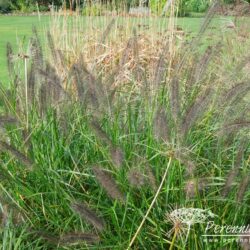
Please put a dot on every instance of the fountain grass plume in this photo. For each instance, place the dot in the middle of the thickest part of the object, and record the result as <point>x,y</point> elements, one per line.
<point>108,183</point>
<point>17,154</point>
<point>87,214</point>
<point>161,129</point>
<point>243,188</point>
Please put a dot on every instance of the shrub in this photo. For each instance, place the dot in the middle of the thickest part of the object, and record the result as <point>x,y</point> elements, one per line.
<point>27,6</point>
<point>184,6</point>
<point>5,6</point>
<point>196,5</point>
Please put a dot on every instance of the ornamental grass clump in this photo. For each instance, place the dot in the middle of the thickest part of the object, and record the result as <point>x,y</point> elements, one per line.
<point>81,110</point>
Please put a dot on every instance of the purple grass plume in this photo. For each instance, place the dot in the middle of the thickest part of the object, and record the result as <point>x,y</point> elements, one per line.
<point>87,214</point>
<point>108,183</point>
<point>160,126</point>
<point>17,154</point>
<point>243,187</point>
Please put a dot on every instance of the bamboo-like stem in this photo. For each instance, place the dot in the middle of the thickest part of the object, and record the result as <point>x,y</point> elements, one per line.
<point>151,205</point>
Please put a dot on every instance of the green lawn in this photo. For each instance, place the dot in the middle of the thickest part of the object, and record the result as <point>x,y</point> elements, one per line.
<point>16,30</point>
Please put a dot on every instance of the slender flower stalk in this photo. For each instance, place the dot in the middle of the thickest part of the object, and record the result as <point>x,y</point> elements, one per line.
<point>151,205</point>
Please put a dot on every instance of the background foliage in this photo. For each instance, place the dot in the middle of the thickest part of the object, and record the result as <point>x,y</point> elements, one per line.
<point>97,7</point>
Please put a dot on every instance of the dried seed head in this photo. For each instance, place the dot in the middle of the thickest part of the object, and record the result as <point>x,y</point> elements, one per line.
<point>183,218</point>
<point>191,216</point>
<point>86,213</point>
<point>108,183</point>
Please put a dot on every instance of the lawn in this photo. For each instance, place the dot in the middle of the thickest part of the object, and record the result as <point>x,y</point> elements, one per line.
<point>16,30</point>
